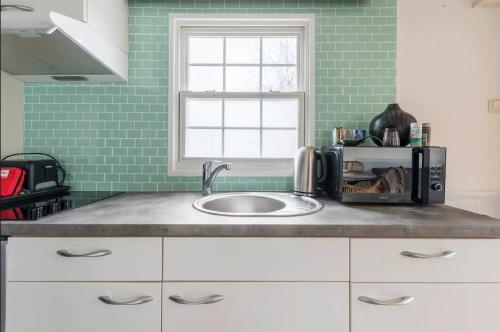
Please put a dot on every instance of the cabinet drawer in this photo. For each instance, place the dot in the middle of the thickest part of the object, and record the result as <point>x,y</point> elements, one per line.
<point>454,307</point>
<point>256,259</point>
<point>257,306</point>
<point>400,260</point>
<point>75,307</point>
<point>115,259</point>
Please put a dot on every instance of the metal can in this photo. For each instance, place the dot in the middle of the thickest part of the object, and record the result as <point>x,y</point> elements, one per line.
<point>426,134</point>
<point>359,134</point>
<point>338,134</point>
<point>415,134</point>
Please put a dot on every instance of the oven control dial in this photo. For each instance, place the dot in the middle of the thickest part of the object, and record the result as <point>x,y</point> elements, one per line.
<point>437,186</point>
<point>54,207</point>
<point>66,204</point>
<point>37,212</point>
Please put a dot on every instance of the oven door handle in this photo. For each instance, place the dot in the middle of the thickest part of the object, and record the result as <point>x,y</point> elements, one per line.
<point>322,158</point>
<point>420,156</point>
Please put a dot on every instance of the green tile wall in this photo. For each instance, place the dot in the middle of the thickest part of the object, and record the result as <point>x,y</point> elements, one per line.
<point>114,136</point>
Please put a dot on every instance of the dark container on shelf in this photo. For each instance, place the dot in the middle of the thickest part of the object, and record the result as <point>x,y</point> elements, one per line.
<point>392,116</point>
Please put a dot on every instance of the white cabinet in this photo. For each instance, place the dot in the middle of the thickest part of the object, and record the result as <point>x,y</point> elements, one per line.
<point>11,115</point>
<point>76,9</point>
<point>252,284</point>
<point>431,285</point>
<point>256,259</point>
<point>256,306</point>
<point>88,40</point>
<point>94,12</point>
<point>436,307</point>
<point>250,301</point>
<point>84,259</point>
<point>75,307</point>
<point>425,260</point>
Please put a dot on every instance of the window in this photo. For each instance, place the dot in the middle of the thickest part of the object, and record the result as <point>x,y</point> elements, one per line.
<point>240,91</point>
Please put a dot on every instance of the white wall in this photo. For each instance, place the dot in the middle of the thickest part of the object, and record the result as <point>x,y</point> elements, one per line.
<point>448,66</point>
<point>12,115</point>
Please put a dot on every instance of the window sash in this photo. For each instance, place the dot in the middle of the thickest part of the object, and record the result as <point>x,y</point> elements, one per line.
<point>242,31</point>
<point>184,95</point>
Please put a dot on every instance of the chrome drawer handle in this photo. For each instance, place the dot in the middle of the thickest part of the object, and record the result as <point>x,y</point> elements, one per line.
<point>399,301</point>
<point>207,300</point>
<point>139,300</point>
<point>96,253</point>
<point>444,254</point>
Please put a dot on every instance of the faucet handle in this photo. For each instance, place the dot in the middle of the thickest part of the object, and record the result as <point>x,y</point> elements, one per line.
<point>208,165</point>
<point>209,175</point>
<point>210,162</point>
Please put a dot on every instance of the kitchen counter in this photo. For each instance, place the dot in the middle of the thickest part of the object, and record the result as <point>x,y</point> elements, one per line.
<point>164,214</point>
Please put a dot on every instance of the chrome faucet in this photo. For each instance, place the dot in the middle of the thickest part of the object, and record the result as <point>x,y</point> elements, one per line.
<point>209,175</point>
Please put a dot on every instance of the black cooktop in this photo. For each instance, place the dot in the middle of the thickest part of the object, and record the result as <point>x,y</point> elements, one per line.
<point>52,204</point>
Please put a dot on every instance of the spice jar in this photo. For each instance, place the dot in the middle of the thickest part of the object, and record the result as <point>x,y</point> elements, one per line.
<point>415,134</point>
<point>426,134</point>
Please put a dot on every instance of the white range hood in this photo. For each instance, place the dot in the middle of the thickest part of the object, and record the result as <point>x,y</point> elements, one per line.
<point>48,46</point>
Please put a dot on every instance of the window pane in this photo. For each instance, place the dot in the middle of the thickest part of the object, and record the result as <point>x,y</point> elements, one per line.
<point>203,78</point>
<point>243,50</point>
<point>242,113</point>
<point>241,143</point>
<point>279,143</point>
<point>203,143</point>
<point>279,78</point>
<point>206,50</point>
<point>279,50</point>
<point>204,112</point>
<point>242,79</point>
<point>280,112</point>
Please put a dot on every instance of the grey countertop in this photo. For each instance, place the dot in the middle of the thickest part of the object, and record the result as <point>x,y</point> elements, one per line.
<point>171,214</point>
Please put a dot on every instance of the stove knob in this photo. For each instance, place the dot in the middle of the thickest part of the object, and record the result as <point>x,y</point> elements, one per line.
<point>54,207</point>
<point>66,204</point>
<point>36,212</point>
<point>437,186</point>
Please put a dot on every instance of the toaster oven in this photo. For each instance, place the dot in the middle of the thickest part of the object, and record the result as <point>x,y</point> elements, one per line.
<point>40,174</point>
<point>386,174</point>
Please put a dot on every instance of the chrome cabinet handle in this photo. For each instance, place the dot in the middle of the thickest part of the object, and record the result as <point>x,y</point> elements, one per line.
<point>444,254</point>
<point>399,301</point>
<point>19,7</point>
<point>96,253</point>
<point>207,300</point>
<point>140,300</point>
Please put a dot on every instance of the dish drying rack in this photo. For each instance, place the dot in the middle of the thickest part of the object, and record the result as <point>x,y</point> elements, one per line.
<point>361,186</point>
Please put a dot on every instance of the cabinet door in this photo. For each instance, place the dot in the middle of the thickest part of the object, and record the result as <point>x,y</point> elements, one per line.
<point>75,307</point>
<point>256,306</point>
<point>256,259</point>
<point>425,260</point>
<point>84,259</point>
<point>457,307</point>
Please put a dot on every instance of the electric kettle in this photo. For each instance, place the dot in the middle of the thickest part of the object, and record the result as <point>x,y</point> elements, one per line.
<point>309,170</point>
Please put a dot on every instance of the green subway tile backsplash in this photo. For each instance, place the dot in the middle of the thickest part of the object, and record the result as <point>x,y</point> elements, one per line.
<point>114,136</point>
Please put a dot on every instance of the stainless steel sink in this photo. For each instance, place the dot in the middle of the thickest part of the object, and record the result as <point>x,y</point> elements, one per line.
<point>257,204</point>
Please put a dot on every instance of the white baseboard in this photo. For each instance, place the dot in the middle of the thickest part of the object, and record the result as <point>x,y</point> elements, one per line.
<point>482,202</point>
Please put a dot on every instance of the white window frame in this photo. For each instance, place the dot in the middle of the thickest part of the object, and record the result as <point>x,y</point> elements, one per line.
<point>241,167</point>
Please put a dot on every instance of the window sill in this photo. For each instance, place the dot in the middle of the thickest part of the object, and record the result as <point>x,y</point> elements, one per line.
<point>238,168</point>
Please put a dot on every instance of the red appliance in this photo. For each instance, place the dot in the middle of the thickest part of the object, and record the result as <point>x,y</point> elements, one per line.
<point>12,214</point>
<point>11,181</point>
